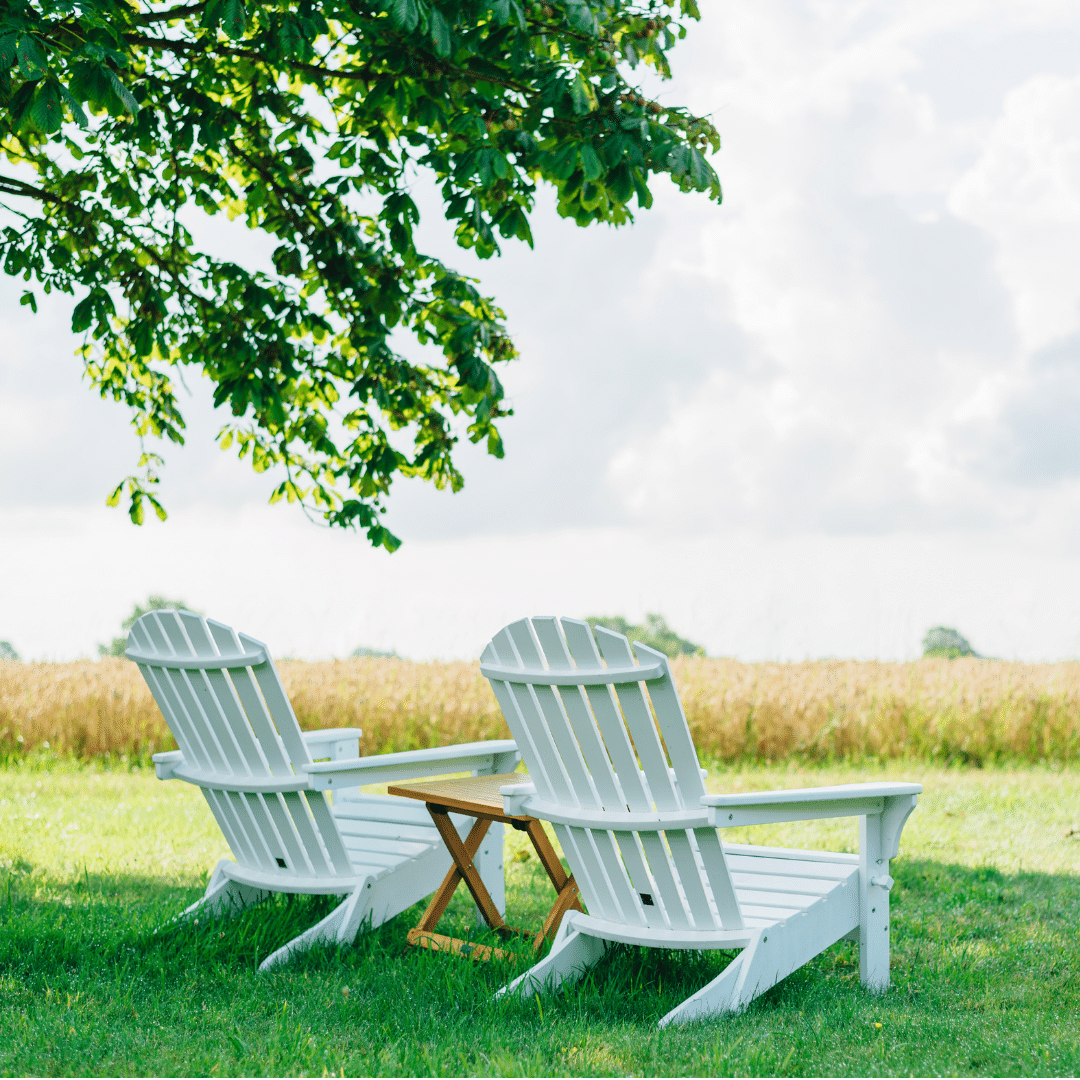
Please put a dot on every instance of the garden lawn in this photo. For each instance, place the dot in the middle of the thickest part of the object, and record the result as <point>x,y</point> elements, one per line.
<point>986,952</point>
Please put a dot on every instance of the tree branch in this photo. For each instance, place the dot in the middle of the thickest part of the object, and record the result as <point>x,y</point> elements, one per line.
<point>353,74</point>
<point>150,17</point>
<point>10,186</point>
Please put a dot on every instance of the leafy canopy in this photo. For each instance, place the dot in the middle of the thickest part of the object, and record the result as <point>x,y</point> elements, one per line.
<point>947,643</point>
<point>311,120</point>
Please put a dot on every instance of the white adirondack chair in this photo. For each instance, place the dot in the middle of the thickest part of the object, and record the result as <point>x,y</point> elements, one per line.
<point>240,743</point>
<point>641,835</point>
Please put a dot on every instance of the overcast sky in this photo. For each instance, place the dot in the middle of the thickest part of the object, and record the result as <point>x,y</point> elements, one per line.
<point>814,421</point>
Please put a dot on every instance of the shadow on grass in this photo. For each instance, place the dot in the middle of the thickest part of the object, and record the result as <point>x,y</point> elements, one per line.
<point>984,980</point>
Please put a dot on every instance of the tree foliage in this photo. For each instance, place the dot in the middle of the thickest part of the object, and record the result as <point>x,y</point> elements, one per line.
<point>947,643</point>
<point>654,632</point>
<point>311,120</point>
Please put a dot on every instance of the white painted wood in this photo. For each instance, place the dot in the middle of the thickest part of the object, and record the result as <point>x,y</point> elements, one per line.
<point>612,766</point>
<point>240,743</point>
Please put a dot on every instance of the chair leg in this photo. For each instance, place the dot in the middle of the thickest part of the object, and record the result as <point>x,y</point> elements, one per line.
<point>223,896</point>
<point>874,885</point>
<point>572,954</point>
<point>724,994</point>
<point>773,954</point>
<point>340,926</point>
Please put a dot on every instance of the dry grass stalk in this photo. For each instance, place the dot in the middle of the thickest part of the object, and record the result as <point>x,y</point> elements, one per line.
<point>944,710</point>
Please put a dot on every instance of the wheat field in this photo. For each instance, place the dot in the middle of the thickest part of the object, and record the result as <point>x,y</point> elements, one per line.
<point>964,710</point>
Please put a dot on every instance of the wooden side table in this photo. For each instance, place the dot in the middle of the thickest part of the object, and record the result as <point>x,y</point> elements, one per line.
<point>479,797</point>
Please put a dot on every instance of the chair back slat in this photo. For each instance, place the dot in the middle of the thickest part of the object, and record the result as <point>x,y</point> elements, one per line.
<point>675,730</point>
<point>578,772</point>
<point>221,700</point>
<point>502,651</point>
<point>615,649</point>
<point>185,685</point>
<point>595,737</point>
<point>178,706</point>
<point>228,710</point>
<point>187,738</point>
<point>231,827</point>
<point>532,713</point>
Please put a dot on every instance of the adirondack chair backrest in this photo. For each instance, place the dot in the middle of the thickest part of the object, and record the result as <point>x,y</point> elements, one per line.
<point>225,705</point>
<point>597,743</point>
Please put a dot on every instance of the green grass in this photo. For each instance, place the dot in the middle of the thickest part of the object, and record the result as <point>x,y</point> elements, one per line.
<point>986,953</point>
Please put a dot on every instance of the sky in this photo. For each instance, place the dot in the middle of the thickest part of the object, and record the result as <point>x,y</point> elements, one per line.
<point>813,421</point>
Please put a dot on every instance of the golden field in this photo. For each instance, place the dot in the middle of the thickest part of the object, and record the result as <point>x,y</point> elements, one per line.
<point>976,711</point>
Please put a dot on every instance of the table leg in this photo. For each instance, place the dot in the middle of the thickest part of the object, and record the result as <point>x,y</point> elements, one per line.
<point>568,899</point>
<point>463,858</point>
<point>445,892</point>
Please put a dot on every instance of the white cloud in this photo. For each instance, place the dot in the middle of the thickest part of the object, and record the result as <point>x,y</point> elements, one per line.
<point>1024,191</point>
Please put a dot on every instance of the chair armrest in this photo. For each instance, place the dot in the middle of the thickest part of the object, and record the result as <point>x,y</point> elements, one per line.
<point>344,742</point>
<point>514,796</point>
<point>499,755</point>
<point>893,801</point>
<point>166,762</point>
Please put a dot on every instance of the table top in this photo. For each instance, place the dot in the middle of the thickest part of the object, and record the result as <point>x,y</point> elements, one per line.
<point>471,794</point>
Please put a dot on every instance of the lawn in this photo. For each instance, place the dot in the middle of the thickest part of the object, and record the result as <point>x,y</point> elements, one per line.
<point>986,952</point>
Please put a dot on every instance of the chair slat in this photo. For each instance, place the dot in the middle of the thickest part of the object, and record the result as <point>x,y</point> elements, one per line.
<point>656,853</point>
<point>328,831</point>
<point>148,633</point>
<point>643,883</point>
<point>224,757</point>
<point>577,738</point>
<point>682,855</point>
<point>532,713</point>
<point>227,705</point>
<point>281,710</point>
<point>293,847</point>
<point>224,815</point>
<point>262,724</point>
<point>675,730</point>
<point>624,888</point>
<point>305,826</point>
<point>578,847</point>
<point>173,684</point>
<point>718,872</point>
<point>186,738</point>
<point>635,707</point>
<point>502,650</point>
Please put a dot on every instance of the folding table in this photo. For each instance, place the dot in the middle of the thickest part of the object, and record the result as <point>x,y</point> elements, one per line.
<point>479,797</point>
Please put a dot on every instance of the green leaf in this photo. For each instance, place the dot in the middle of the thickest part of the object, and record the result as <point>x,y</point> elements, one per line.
<point>581,18</point>
<point>234,18</point>
<point>47,112</point>
<point>582,95</point>
<point>699,169</point>
<point>590,162</point>
<point>290,39</point>
<point>31,62</point>
<point>440,33</point>
<point>8,51</point>
<point>501,10</point>
<point>405,14</point>
<point>76,110</point>
<point>28,299</point>
<point>124,94</point>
